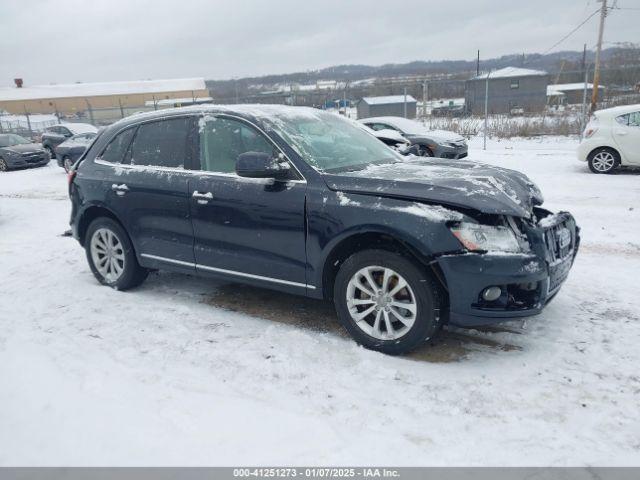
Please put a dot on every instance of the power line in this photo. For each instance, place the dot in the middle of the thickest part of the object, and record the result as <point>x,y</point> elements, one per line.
<point>571,32</point>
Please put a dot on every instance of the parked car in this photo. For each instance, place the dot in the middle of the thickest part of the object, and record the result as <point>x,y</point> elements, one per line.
<point>431,143</point>
<point>300,200</point>
<point>392,139</point>
<point>612,139</point>
<point>69,151</point>
<point>55,135</point>
<point>17,151</point>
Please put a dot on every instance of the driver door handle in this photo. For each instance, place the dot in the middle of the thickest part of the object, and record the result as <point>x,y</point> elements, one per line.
<point>202,198</point>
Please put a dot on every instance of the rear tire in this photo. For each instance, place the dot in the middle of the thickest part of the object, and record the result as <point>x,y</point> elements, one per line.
<point>603,160</point>
<point>385,316</point>
<point>3,165</point>
<point>111,256</point>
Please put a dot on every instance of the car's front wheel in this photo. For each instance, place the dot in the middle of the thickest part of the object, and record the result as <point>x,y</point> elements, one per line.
<point>603,160</point>
<point>111,255</point>
<point>386,302</point>
<point>3,165</point>
<point>424,151</point>
<point>50,151</point>
<point>67,163</point>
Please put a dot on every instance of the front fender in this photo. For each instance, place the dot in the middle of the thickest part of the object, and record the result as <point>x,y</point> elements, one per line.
<point>334,217</point>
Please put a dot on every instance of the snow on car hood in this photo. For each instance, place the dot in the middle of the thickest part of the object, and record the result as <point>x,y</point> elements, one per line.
<point>439,136</point>
<point>455,183</point>
<point>24,148</point>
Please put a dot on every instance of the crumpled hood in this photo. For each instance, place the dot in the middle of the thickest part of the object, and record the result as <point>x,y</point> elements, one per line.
<point>456,183</point>
<point>24,148</point>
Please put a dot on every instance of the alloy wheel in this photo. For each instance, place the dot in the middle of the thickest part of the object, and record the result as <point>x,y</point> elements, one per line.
<point>603,161</point>
<point>107,254</point>
<point>381,302</point>
<point>3,165</point>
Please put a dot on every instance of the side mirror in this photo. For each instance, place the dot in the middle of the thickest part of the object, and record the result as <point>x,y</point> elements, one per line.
<point>261,165</point>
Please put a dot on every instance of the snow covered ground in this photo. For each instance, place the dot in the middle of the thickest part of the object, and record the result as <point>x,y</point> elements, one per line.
<point>186,371</point>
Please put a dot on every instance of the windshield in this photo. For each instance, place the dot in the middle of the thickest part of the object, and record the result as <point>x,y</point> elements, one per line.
<point>330,143</point>
<point>11,140</point>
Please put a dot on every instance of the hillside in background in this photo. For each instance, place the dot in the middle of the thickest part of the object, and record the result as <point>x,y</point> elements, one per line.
<point>621,65</point>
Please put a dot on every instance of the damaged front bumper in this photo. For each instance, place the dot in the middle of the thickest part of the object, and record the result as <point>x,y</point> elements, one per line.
<point>526,282</point>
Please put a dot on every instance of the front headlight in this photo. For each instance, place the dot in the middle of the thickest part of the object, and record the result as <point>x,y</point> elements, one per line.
<point>476,237</point>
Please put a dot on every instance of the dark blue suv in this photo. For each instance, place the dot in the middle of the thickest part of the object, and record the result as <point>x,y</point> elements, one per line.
<point>306,202</point>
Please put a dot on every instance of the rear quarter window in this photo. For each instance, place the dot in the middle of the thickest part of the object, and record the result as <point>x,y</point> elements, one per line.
<point>117,147</point>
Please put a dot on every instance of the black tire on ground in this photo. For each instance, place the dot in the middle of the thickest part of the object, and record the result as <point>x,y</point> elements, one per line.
<point>49,150</point>
<point>67,163</point>
<point>424,151</point>
<point>429,300</point>
<point>133,274</point>
<point>597,160</point>
<point>3,165</point>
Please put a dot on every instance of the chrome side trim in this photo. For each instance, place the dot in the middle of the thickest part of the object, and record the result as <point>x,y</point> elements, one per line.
<point>228,272</point>
<point>168,260</point>
<point>256,277</point>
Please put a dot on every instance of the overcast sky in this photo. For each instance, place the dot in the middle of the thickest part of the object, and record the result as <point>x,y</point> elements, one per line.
<point>58,41</point>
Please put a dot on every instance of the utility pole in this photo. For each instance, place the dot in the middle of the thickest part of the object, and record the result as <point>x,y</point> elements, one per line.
<point>486,110</point>
<point>583,110</point>
<point>596,71</point>
<point>425,98</point>
<point>405,102</point>
<point>478,64</point>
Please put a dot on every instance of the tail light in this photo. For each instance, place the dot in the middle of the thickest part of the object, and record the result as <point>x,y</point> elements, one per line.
<point>70,176</point>
<point>589,131</point>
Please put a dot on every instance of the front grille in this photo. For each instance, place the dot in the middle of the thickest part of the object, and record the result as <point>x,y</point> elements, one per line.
<point>560,241</point>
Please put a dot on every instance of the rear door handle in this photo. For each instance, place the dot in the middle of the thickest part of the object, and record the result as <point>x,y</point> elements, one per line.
<point>202,198</point>
<point>120,189</point>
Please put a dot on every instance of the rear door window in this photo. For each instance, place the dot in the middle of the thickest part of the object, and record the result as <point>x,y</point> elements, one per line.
<point>165,143</point>
<point>115,151</point>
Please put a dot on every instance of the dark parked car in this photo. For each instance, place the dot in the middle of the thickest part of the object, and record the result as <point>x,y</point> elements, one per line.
<point>55,135</point>
<point>303,201</point>
<point>430,143</point>
<point>17,151</point>
<point>69,151</point>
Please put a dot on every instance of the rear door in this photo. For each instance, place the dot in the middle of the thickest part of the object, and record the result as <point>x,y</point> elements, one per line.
<point>626,132</point>
<point>251,229</point>
<point>150,193</point>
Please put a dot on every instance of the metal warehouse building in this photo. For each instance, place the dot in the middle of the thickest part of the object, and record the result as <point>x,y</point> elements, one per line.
<point>393,105</point>
<point>93,99</point>
<point>511,90</point>
<point>571,93</point>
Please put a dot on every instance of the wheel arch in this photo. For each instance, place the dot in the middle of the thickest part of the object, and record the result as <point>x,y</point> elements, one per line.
<point>89,214</point>
<point>372,239</point>
<point>614,150</point>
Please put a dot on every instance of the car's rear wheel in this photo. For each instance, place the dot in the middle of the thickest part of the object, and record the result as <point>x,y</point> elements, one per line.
<point>67,163</point>
<point>603,160</point>
<point>111,255</point>
<point>3,165</point>
<point>386,302</point>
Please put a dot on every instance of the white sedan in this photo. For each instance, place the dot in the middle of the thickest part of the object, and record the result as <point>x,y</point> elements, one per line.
<point>612,138</point>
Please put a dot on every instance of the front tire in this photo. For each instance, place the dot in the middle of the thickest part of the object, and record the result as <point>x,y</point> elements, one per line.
<point>111,256</point>
<point>603,160</point>
<point>424,151</point>
<point>67,163</point>
<point>386,303</point>
<point>4,167</point>
<point>50,151</point>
